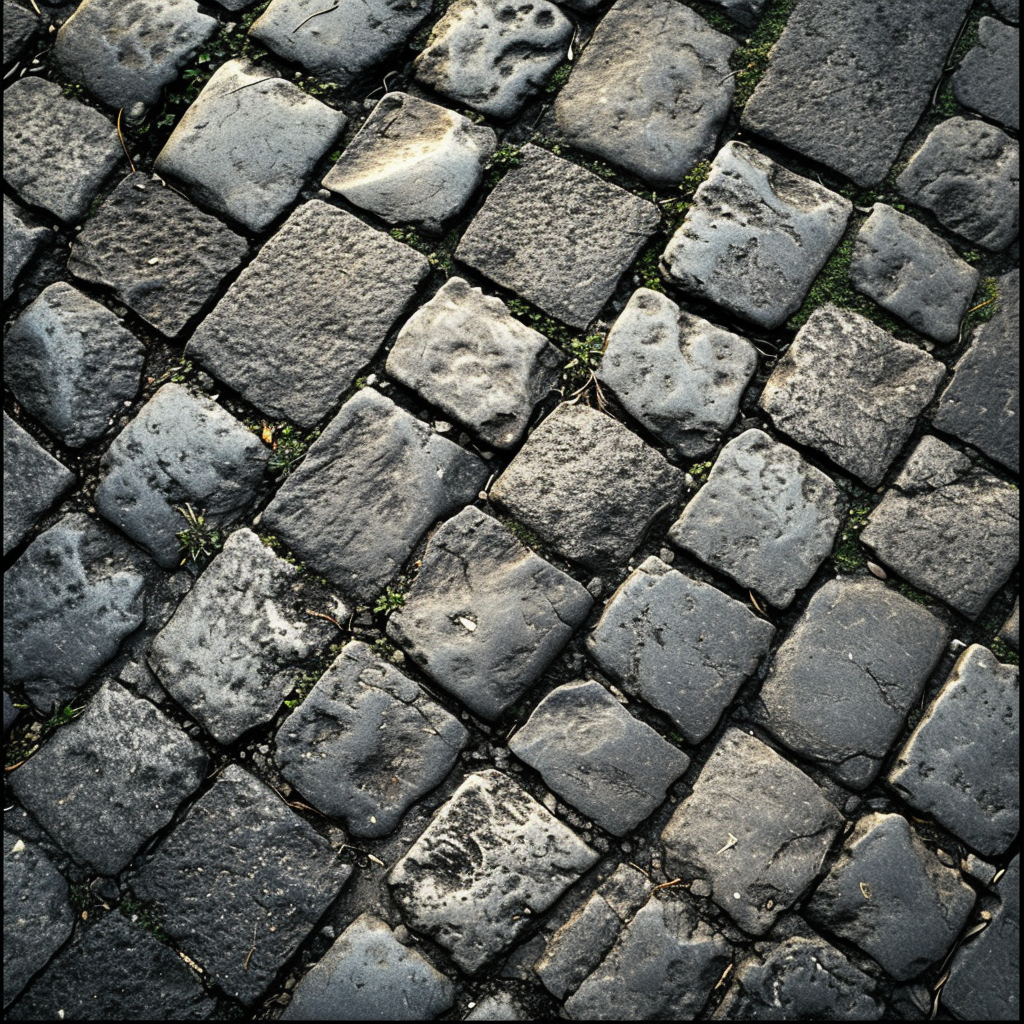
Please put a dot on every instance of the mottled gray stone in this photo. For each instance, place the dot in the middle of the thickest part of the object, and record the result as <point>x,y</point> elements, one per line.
<point>746,12</point>
<point>947,527</point>
<point>20,25</point>
<point>1008,10</point>
<point>489,859</point>
<point>501,1006</point>
<point>782,824</point>
<point>755,237</point>
<point>1010,633</point>
<point>988,77</point>
<point>519,238</point>
<point>21,241</point>
<point>485,615</point>
<point>10,713</point>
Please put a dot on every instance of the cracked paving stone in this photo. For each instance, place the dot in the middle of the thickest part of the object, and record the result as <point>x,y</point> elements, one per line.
<point>947,527</point>
<point>988,77</point>
<point>21,241</point>
<point>490,859</point>
<point>20,25</point>
<point>557,235</point>
<point>682,646</point>
<point>485,615</point>
<point>367,743</point>
<point>755,237</point>
<point>240,883</point>
<point>1010,633</point>
<point>755,827</point>
<point>892,897</point>
<point>766,517</point>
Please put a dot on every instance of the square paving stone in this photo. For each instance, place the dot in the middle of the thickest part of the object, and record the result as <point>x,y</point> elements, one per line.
<point>111,779</point>
<point>520,241</point>
<point>21,241</point>
<point>588,486</point>
<point>491,858</point>
<point>892,897</point>
<point>248,143</point>
<point>159,254</point>
<point>850,390</point>
<point>369,488</point>
<point>755,237</point>
<point>20,25</point>
<point>309,313</point>
<point>947,527</point>
<point>485,615</point>
<point>230,653</point>
<point>987,79</point>
<point>766,517</point>
<point>755,828</point>
<point>240,883</point>
<point>180,449</point>
<point>841,685</point>
<point>679,644</point>
<point>367,743</point>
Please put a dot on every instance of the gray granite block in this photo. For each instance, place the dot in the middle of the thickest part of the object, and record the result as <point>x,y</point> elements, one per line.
<point>1010,633</point>
<point>987,80</point>
<point>20,25</point>
<point>501,1006</point>
<point>21,241</point>
<point>1008,10</point>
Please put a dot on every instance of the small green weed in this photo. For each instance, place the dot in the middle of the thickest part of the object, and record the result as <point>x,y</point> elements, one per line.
<point>383,648</point>
<point>849,556</point>
<point>700,471</point>
<point>391,600</point>
<point>750,59</point>
<point>200,540</point>
<point>440,254</point>
<point>1004,652</point>
<point>984,309</point>
<point>506,156</point>
<point>61,717</point>
<point>307,678</point>
<point>289,445</point>
<point>558,78</point>
<point>145,919</point>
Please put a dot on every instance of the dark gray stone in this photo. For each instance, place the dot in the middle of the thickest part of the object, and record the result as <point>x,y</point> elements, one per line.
<point>746,12</point>
<point>20,25</point>
<point>1010,633</point>
<point>21,241</point>
<point>755,829</point>
<point>485,615</point>
<point>308,313</point>
<point>848,82</point>
<point>841,685</point>
<point>947,527</point>
<point>1008,10</point>
<point>519,238</point>
<point>755,237</point>
<point>987,80</point>
<point>10,713</point>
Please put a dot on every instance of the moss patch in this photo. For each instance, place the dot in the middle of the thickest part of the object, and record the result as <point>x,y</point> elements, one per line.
<point>750,60</point>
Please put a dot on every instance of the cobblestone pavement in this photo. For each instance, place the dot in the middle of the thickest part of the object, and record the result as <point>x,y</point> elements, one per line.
<point>511,509</point>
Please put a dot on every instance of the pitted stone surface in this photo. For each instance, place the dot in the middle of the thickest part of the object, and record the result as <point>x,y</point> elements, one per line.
<point>782,822</point>
<point>485,615</point>
<point>519,238</point>
<point>679,644</point>
<point>765,517</point>
<point>987,79</point>
<point>490,854</point>
<point>755,237</point>
<point>1010,633</point>
<point>20,25</point>
<point>21,241</point>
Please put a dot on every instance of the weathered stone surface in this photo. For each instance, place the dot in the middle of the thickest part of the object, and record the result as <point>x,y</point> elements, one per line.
<point>679,644</point>
<point>677,374</point>
<point>843,681</point>
<point>20,25</point>
<point>309,312</point>
<point>247,144</point>
<point>987,79</point>
<point>892,897</point>
<point>765,517</point>
<point>1010,633</point>
<point>413,162</point>
<point>1009,10</point>
<point>847,83</point>
<point>755,237</point>
<point>491,857</point>
<point>20,241</point>
<point>947,527</point>
<point>485,615</point>
<point>240,883</point>
<point>588,486</point>
<point>179,449</point>
<point>746,12</point>
<point>159,254</point>
<point>519,238</point>
<point>968,174</point>
<point>501,1006</point>
<point>782,823</point>
<point>465,353</point>
<point>366,743</point>
<point>651,90</point>
<point>10,713</point>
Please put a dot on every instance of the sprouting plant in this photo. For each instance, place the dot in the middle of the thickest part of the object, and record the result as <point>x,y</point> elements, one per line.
<point>505,157</point>
<point>391,600</point>
<point>289,445</point>
<point>200,540</point>
<point>699,472</point>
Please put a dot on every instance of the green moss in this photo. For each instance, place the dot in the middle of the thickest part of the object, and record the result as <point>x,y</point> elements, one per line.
<point>440,254</point>
<point>750,59</point>
<point>505,157</point>
<point>383,648</point>
<point>523,533</point>
<point>647,268</point>
<point>289,445</point>
<point>849,556</point>
<point>1004,652</point>
<point>558,78</point>
<point>985,305</point>
<point>145,919</point>
<point>912,594</point>
<point>304,680</point>
<point>714,17</point>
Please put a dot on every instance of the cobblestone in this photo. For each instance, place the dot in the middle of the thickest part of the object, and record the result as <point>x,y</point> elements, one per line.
<point>21,242</point>
<point>20,25</point>
<point>986,78</point>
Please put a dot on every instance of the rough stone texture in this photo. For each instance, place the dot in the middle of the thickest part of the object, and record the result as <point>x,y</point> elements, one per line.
<point>987,79</point>
<point>746,12</point>
<point>765,517</point>
<point>967,173</point>
<point>10,713</point>
<point>230,652</point>
<point>848,82</point>
<point>241,864</point>
<point>309,313</point>
<point>71,364</point>
<point>1008,10</point>
<point>248,143</point>
<point>892,897</point>
<point>519,238</point>
<point>679,644</point>
<point>413,162</point>
<point>489,855</point>
<point>841,685</point>
<point>502,1006</point>
<point>20,25</point>
<point>180,449</point>
<point>1010,633</point>
<point>485,615</point>
<point>159,254</point>
<point>366,743</point>
<point>755,237</point>
<point>21,240</point>
<point>947,527</point>
<point>677,374</point>
<point>651,90</point>
<point>782,823</point>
